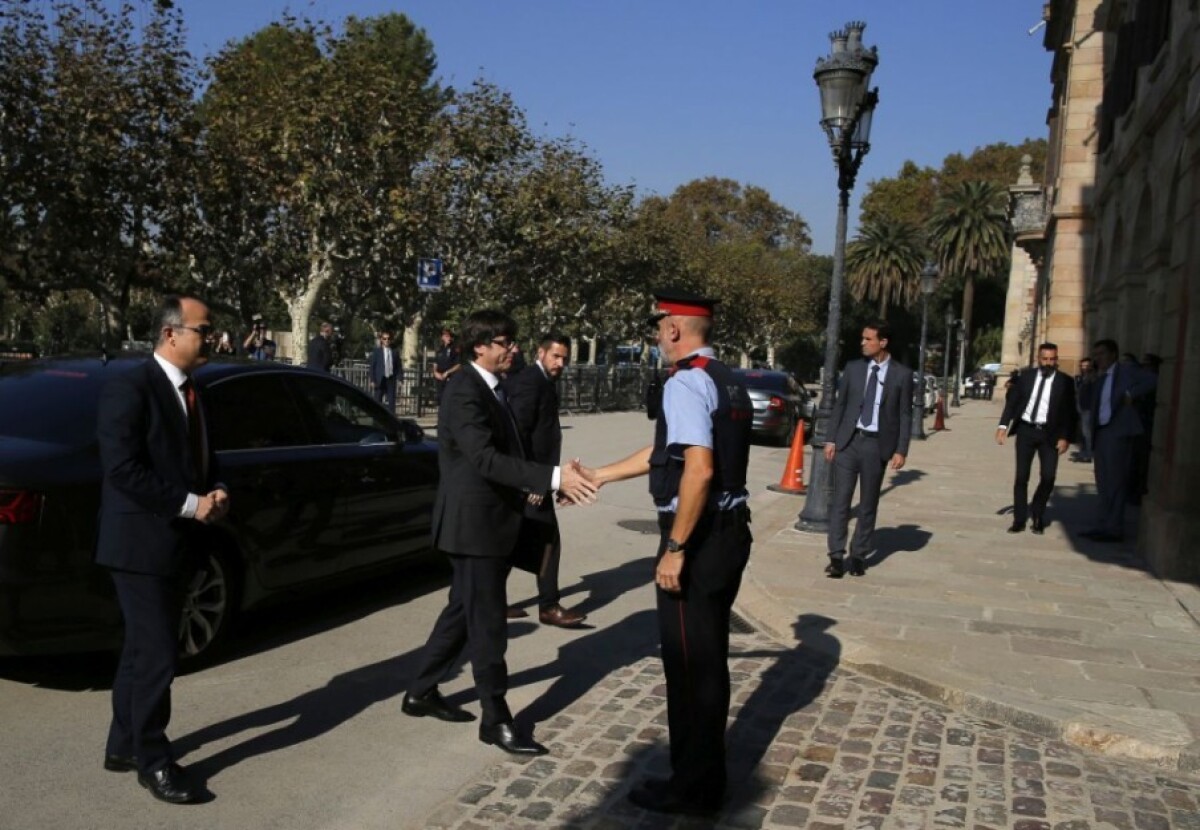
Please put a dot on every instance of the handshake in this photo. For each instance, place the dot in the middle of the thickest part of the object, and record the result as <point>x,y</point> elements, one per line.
<point>577,485</point>
<point>212,507</point>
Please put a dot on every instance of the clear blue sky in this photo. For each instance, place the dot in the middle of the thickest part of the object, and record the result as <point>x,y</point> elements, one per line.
<point>665,91</point>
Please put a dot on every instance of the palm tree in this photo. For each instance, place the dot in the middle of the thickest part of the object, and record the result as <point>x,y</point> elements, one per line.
<point>884,262</point>
<point>968,233</point>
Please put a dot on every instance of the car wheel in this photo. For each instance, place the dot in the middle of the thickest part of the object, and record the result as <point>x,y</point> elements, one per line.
<point>209,606</point>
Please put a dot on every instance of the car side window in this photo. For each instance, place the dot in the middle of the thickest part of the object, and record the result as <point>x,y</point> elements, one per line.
<point>343,414</point>
<point>253,412</point>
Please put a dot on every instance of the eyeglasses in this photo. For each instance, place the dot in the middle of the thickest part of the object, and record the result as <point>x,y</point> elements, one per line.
<point>503,342</point>
<point>203,331</point>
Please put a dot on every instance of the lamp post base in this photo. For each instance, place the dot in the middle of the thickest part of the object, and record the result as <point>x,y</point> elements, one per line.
<point>814,518</point>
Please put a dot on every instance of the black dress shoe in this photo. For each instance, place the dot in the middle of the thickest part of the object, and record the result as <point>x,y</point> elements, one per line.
<point>169,784</point>
<point>662,799</point>
<point>858,567</point>
<point>1038,525</point>
<point>120,763</point>
<point>505,736</point>
<point>433,704</point>
<point>1017,527</point>
<point>834,569</point>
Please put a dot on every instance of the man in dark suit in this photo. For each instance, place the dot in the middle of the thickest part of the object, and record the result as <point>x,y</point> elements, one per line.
<point>320,350</point>
<point>533,397</point>
<point>1116,425</point>
<point>385,371</point>
<point>155,497</point>
<point>485,483</point>
<point>1041,413</point>
<point>869,431</point>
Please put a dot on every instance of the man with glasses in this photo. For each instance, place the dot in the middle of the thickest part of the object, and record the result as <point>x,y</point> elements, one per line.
<point>385,371</point>
<point>485,483</point>
<point>158,490</point>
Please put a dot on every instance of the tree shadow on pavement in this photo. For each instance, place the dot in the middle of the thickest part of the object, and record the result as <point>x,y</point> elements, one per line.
<point>893,540</point>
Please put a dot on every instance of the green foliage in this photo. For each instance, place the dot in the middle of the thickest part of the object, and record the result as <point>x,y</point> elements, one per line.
<point>884,262</point>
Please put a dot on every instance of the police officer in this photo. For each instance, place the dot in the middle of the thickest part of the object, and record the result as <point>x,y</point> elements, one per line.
<point>697,468</point>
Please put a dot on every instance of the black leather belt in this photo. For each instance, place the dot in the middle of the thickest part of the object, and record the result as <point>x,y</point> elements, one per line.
<point>866,432</point>
<point>1032,424</point>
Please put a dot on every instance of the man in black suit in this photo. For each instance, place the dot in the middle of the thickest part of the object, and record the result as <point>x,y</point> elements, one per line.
<point>1041,413</point>
<point>320,350</point>
<point>533,397</point>
<point>385,372</point>
<point>869,431</point>
<point>485,483</point>
<point>155,497</point>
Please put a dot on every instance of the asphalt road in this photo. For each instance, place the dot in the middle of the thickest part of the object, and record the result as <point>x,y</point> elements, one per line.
<point>300,726</point>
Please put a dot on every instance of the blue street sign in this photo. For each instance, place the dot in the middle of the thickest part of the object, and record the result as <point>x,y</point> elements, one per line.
<point>429,274</point>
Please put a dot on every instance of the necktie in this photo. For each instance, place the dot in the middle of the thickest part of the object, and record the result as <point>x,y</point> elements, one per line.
<point>868,407</point>
<point>195,428</point>
<point>1037,398</point>
<point>513,432</point>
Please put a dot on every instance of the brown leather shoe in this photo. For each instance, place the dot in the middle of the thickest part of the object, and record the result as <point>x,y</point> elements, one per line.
<point>515,613</point>
<point>557,615</point>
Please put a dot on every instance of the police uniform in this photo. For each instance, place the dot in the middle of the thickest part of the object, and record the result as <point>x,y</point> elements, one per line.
<point>703,404</point>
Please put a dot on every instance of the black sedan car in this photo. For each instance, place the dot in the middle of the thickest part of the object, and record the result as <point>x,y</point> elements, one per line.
<point>780,403</point>
<point>325,484</point>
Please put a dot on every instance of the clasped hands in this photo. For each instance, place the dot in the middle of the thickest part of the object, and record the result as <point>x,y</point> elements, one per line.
<point>577,485</point>
<point>212,507</point>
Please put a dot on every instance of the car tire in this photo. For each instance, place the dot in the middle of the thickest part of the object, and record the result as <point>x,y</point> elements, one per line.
<point>210,605</point>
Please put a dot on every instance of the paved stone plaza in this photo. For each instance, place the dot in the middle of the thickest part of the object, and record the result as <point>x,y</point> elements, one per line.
<point>820,747</point>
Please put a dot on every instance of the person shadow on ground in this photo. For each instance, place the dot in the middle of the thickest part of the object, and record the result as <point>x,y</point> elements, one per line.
<point>892,540</point>
<point>601,587</point>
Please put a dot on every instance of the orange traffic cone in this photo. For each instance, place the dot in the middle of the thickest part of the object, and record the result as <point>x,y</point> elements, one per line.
<point>939,420</point>
<point>792,480</point>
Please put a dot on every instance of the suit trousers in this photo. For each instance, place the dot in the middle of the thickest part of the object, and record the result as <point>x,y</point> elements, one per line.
<point>385,393</point>
<point>694,631</point>
<point>141,693</point>
<point>473,620</point>
<point>1031,442</point>
<point>539,550</point>
<point>1112,455</point>
<point>859,463</point>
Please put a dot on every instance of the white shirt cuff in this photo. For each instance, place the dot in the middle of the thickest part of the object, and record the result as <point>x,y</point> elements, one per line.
<point>556,478</point>
<point>189,506</point>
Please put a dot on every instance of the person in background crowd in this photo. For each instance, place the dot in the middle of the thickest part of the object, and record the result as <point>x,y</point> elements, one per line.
<point>1042,416</point>
<point>224,345</point>
<point>1143,443</point>
<point>385,372</point>
<point>257,345</point>
<point>1085,383</point>
<point>320,350</point>
<point>445,362</point>
<point>1116,426</point>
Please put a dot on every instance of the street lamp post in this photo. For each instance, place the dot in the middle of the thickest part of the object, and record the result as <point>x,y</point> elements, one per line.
<point>959,332</point>
<point>929,275</point>
<point>847,107</point>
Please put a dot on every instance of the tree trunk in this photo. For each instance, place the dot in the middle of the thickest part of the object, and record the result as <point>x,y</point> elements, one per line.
<point>744,359</point>
<point>300,305</point>
<point>883,306</point>
<point>771,355</point>
<point>968,304</point>
<point>410,348</point>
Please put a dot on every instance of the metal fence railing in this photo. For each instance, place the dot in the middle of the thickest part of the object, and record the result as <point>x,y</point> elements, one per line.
<point>581,388</point>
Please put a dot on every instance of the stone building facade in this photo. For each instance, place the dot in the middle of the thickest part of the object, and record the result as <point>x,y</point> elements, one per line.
<point>1119,255</point>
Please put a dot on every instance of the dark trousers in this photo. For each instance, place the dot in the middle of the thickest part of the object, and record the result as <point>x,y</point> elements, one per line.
<point>539,551</point>
<point>694,630</point>
<point>141,694</point>
<point>385,392</point>
<point>473,620</point>
<point>1113,462</point>
<point>859,463</point>
<point>1031,442</point>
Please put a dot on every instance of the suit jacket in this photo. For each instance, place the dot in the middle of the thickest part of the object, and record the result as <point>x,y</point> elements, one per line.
<point>533,399</point>
<point>148,473</point>
<point>375,365</point>
<point>320,354</point>
<point>1130,380</point>
<point>895,408</point>
<point>1061,416</point>
<point>484,476</point>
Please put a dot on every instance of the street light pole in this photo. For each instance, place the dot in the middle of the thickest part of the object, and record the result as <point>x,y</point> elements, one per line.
<point>847,107</point>
<point>959,330</point>
<point>929,275</point>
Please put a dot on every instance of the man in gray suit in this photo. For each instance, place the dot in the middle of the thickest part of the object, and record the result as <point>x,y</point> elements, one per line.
<point>1116,426</point>
<point>870,428</point>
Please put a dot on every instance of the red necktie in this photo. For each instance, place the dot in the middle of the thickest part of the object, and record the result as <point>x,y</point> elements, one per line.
<point>195,428</point>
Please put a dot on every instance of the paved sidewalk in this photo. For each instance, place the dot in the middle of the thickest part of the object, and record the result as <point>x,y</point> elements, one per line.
<point>1065,638</point>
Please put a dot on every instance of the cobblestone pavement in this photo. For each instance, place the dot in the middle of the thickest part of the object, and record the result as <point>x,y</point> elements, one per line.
<point>816,746</point>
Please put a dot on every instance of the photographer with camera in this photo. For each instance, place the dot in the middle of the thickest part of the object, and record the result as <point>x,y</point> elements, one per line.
<point>257,345</point>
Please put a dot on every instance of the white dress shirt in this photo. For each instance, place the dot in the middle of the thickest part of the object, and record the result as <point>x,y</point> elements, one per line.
<point>1106,408</point>
<point>178,378</point>
<point>880,376</point>
<point>1043,411</point>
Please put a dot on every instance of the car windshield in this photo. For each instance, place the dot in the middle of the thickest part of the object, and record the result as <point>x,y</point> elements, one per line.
<point>55,404</point>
